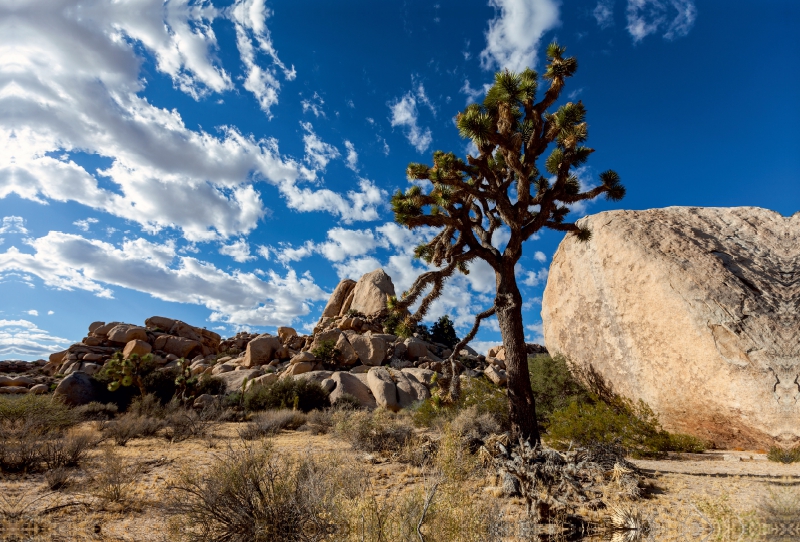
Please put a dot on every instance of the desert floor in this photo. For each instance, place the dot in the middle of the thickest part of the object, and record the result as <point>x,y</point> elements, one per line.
<point>721,500</point>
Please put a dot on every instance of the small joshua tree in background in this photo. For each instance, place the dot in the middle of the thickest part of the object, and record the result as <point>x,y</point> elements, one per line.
<point>128,372</point>
<point>501,187</point>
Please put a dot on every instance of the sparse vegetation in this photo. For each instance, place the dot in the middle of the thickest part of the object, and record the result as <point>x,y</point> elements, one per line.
<point>267,423</point>
<point>290,393</point>
<point>784,455</point>
<point>252,494</point>
<point>326,352</point>
<point>377,431</point>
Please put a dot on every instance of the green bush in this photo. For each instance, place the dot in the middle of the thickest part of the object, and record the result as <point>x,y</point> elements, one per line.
<point>443,332</point>
<point>554,386</point>
<point>633,426</point>
<point>326,352</point>
<point>210,385</point>
<point>478,393</point>
<point>782,455</point>
<point>301,394</point>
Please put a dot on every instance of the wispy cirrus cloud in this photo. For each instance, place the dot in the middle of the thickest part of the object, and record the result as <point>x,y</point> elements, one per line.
<point>646,17</point>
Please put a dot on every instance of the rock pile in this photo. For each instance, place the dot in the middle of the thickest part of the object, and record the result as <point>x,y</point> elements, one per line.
<point>349,352</point>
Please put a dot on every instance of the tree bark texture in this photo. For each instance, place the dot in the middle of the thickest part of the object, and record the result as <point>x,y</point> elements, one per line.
<point>522,406</point>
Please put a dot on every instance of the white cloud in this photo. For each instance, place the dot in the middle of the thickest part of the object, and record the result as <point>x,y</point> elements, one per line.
<point>357,205</point>
<point>50,313</point>
<point>13,224</point>
<point>239,250</point>
<point>344,243</point>
<point>404,113</point>
<point>318,153</point>
<point>537,335</point>
<point>474,94</point>
<point>32,312</point>
<point>535,278</point>
<point>646,17</point>
<point>86,223</point>
<point>352,156</point>
<point>314,104</point>
<point>24,338</point>
<point>513,36</point>
<point>249,17</point>
<point>71,262</point>
<point>287,253</point>
<point>539,256</point>
<point>422,96</point>
<point>604,13</point>
<point>264,252</point>
<point>71,83</point>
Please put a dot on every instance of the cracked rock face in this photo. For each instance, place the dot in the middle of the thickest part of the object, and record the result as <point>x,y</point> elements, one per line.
<point>694,310</point>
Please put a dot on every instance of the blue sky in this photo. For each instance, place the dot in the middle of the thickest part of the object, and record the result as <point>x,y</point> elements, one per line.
<point>227,163</point>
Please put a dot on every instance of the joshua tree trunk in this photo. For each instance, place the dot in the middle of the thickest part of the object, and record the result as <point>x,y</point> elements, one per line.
<point>522,407</point>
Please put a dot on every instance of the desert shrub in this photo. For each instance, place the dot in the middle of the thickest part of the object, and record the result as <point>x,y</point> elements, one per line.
<point>130,426</point>
<point>346,402</point>
<point>250,494</point>
<point>320,422</point>
<point>633,426</point>
<point>181,424</point>
<point>487,398</point>
<point>679,442</point>
<point>114,476</point>
<point>68,450</point>
<point>554,386</point>
<point>270,422</point>
<point>30,413</point>
<point>96,411</point>
<point>377,431</point>
<point>148,406</point>
<point>783,455</point>
<point>210,385</point>
<point>57,479</point>
<point>326,352</point>
<point>472,425</point>
<point>299,394</point>
<point>27,425</point>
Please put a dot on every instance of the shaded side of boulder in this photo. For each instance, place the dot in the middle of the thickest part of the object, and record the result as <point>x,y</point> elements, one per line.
<point>75,390</point>
<point>338,297</point>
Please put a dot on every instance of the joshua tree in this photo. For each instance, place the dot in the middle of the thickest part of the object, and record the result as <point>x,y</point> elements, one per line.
<point>501,187</point>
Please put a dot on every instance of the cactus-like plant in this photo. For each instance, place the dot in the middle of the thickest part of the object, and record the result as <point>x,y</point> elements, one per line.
<point>185,382</point>
<point>128,371</point>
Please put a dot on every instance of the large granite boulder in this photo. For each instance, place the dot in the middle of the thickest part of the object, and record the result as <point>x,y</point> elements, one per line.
<point>371,292</point>
<point>261,350</point>
<point>75,390</point>
<point>351,384</point>
<point>694,310</point>
<point>338,297</point>
<point>371,350</point>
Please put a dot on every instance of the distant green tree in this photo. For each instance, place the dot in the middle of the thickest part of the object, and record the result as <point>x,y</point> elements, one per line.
<point>502,187</point>
<point>443,332</point>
